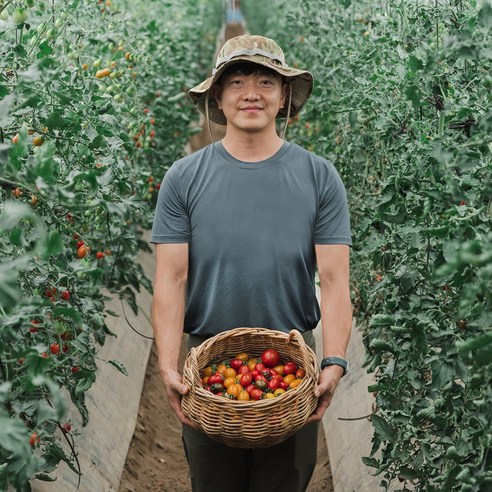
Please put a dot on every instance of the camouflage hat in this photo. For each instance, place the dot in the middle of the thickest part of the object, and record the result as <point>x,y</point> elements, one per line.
<point>262,51</point>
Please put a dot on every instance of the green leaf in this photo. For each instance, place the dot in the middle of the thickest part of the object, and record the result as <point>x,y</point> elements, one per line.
<point>383,429</point>
<point>45,164</point>
<point>53,245</point>
<point>119,366</point>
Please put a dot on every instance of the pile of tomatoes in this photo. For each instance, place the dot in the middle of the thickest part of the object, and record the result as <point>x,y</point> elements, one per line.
<point>247,378</point>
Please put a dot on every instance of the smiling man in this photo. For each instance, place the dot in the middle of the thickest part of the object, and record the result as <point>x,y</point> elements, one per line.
<point>240,229</point>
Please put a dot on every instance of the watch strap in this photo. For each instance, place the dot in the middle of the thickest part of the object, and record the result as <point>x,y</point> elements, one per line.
<point>335,361</point>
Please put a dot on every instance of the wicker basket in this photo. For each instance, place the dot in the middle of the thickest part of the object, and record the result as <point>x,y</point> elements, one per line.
<point>250,424</point>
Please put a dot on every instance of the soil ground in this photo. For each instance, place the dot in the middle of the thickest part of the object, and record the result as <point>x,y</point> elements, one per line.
<point>156,460</point>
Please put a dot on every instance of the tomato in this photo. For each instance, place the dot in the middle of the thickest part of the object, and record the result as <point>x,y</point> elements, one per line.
<point>300,373</point>
<point>205,380</point>
<point>266,396</point>
<point>215,378</point>
<point>236,364</point>
<point>38,141</point>
<point>229,381</point>
<point>65,295</point>
<point>55,348</point>
<point>235,389</point>
<point>208,371</point>
<point>260,377</point>
<point>19,16</point>
<point>289,378</point>
<point>15,138</point>
<point>270,357</point>
<point>278,392</point>
<point>82,251</point>
<point>102,73</point>
<point>221,368</point>
<point>250,388</point>
<point>100,255</point>
<point>261,385</point>
<point>34,439</point>
<point>217,388</point>
<point>75,369</point>
<point>256,394</point>
<point>252,364</point>
<point>260,367</point>
<point>295,383</point>
<point>283,385</point>
<point>244,370</point>
<point>290,367</point>
<point>243,396</point>
<point>246,379</point>
<point>66,427</point>
<point>273,384</point>
<point>230,373</point>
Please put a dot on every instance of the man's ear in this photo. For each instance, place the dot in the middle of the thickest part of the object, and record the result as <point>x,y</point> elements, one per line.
<point>285,94</point>
<point>215,93</point>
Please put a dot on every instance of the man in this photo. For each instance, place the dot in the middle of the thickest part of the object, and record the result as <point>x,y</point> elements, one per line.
<point>240,227</point>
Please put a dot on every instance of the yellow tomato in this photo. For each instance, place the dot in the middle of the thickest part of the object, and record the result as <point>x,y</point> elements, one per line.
<point>279,369</point>
<point>266,396</point>
<point>278,392</point>
<point>208,371</point>
<point>205,379</point>
<point>221,368</point>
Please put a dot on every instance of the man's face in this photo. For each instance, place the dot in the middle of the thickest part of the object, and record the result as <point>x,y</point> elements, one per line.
<point>251,99</point>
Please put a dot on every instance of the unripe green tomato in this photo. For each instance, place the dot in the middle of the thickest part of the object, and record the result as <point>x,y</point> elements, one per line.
<point>40,28</point>
<point>29,3</point>
<point>113,75</point>
<point>97,63</point>
<point>50,33</point>
<point>63,15</point>
<point>110,89</point>
<point>110,46</point>
<point>58,23</point>
<point>33,40</point>
<point>4,15</point>
<point>118,97</point>
<point>19,17</point>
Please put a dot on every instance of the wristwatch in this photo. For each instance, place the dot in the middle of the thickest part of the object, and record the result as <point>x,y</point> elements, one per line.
<point>335,361</point>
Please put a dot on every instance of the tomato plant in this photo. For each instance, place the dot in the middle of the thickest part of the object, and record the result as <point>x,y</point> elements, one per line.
<point>92,107</point>
<point>401,105</point>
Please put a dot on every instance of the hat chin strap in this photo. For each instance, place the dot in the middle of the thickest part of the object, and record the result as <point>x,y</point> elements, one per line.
<point>207,116</point>
<point>289,107</point>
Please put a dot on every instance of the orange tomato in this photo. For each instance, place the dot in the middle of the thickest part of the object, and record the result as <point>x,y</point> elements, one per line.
<point>82,251</point>
<point>38,141</point>
<point>278,392</point>
<point>208,371</point>
<point>235,389</point>
<point>289,378</point>
<point>242,356</point>
<point>243,396</point>
<point>300,373</point>
<point>229,381</point>
<point>205,379</point>
<point>230,373</point>
<point>279,369</point>
<point>266,396</point>
<point>295,383</point>
<point>102,73</point>
<point>221,368</point>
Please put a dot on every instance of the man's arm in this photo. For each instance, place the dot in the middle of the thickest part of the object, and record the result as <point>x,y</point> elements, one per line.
<point>336,317</point>
<point>168,310</point>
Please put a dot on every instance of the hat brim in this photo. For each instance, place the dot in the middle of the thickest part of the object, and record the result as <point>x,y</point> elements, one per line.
<point>300,80</point>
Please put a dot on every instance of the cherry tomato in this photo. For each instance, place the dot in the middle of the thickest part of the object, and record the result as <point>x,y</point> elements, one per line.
<point>243,396</point>
<point>270,357</point>
<point>266,396</point>
<point>295,383</point>
<point>244,370</point>
<point>242,356</point>
<point>217,388</point>
<point>262,385</point>
<point>222,367</point>
<point>279,370</point>
<point>230,372</point>
<point>289,378</point>
<point>273,384</point>
<point>290,367</point>
<point>215,378</point>
<point>208,371</point>
<point>283,385</point>
<point>234,389</point>
<point>300,373</point>
<point>229,381</point>
<point>260,377</point>
<point>260,367</point>
<point>236,364</point>
<point>250,388</point>
<point>278,392</point>
<point>246,379</point>
<point>256,394</point>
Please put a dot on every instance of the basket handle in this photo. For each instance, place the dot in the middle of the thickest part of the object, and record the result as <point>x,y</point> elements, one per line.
<point>295,337</point>
<point>191,362</point>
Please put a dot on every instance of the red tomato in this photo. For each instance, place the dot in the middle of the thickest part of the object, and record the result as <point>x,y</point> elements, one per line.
<point>260,377</point>
<point>216,378</point>
<point>283,385</point>
<point>270,357</point>
<point>246,379</point>
<point>250,388</point>
<point>290,368</point>
<point>236,364</point>
<point>217,387</point>
<point>54,348</point>
<point>300,373</point>
<point>273,384</point>
<point>244,370</point>
<point>260,367</point>
<point>256,393</point>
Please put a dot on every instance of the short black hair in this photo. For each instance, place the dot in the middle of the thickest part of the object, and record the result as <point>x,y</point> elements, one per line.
<point>247,68</point>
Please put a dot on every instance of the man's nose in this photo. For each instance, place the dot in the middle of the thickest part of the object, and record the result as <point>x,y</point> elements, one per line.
<point>250,91</point>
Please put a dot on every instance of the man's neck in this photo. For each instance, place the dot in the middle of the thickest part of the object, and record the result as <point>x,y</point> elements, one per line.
<point>252,147</point>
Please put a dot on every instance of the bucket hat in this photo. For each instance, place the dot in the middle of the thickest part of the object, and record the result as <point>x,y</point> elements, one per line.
<point>261,51</point>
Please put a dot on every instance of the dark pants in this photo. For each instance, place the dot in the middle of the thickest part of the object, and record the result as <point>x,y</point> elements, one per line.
<point>285,467</point>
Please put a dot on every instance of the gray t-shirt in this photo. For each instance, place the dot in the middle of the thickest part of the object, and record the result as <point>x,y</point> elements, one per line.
<point>252,227</point>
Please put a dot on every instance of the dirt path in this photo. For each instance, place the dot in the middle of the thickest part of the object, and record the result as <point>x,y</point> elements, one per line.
<point>156,459</point>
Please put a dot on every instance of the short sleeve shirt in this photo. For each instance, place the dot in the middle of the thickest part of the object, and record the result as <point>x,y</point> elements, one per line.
<point>251,229</point>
